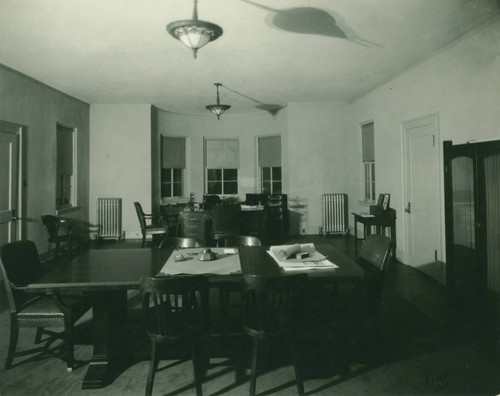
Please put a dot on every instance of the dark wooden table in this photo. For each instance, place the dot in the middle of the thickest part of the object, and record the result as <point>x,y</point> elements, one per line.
<point>380,222</point>
<point>106,275</point>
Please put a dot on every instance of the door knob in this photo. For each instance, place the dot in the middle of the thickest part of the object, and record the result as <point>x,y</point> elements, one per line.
<point>408,208</point>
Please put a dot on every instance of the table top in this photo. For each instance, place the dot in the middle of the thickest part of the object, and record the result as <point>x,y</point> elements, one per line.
<point>366,218</point>
<point>122,269</point>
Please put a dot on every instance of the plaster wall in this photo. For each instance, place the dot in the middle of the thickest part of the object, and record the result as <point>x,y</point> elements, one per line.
<point>38,108</point>
<point>316,159</point>
<point>244,127</point>
<point>461,84</point>
<point>120,159</point>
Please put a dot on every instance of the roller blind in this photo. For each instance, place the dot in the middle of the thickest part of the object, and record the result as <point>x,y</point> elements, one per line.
<point>367,140</point>
<point>222,153</point>
<point>270,151</point>
<point>173,152</point>
<point>64,151</point>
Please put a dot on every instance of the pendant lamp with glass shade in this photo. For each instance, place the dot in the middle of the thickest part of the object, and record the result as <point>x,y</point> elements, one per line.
<point>218,108</point>
<point>194,33</point>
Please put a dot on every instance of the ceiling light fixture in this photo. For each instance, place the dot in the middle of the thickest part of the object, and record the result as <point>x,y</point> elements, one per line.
<point>194,33</point>
<point>218,108</point>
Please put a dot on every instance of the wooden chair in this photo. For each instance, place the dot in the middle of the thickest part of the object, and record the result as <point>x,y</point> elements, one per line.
<point>226,289</point>
<point>178,242</point>
<point>170,216</point>
<point>154,229</point>
<point>355,308</point>
<point>239,240</point>
<point>194,225</point>
<point>19,266</point>
<point>60,232</point>
<point>375,256</point>
<point>225,221</point>
<point>209,201</point>
<point>176,311</point>
<point>269,313</point>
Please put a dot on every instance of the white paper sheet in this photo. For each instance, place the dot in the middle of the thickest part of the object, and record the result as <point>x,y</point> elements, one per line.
<point>315,260</point>
<point>227,262</point>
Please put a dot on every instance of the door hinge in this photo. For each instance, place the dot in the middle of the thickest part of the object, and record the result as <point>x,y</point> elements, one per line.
<point>433,140</point>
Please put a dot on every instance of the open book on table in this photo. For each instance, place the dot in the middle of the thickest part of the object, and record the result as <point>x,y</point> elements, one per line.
<point>299,257</point>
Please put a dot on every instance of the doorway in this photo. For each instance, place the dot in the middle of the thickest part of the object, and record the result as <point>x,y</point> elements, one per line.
<point>472,213</point>
<point>422,214</point>
<point>10,186</point>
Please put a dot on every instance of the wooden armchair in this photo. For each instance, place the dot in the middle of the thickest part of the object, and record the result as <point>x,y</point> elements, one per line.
<point>176,311</point>
<point>60,233</point>
<point>19,266</point>
<point>270,312</point>
<point>154,228</point>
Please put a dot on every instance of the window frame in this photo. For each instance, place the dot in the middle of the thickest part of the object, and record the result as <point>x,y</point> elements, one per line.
<point>172,183</point>
<point>221,154</point>
<point>271,180</point>
<point>222,193</point>
<point>368,181</point>
<point>73,179</point>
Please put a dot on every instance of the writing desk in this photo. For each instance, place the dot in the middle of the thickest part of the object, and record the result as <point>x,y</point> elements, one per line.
<point>105,275</point>
<point>252,222</point>
<point>380,222</point>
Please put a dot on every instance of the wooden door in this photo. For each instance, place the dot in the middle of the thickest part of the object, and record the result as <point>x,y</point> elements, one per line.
<point>422,197</point>
<point>472,211</point>
<point>9,182</point>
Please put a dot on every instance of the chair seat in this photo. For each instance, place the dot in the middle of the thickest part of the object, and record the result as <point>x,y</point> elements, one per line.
<point>155,229</point>
<point>45,311</point>
<point>20,265</point>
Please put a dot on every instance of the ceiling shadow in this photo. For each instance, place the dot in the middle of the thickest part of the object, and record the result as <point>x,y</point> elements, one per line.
<point>310,20</point>
<point>271,108</point>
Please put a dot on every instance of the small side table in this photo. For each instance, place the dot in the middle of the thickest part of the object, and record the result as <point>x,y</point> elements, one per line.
<point>381,223</point>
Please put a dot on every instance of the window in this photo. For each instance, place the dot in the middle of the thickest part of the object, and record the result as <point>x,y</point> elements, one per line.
<point>270,164</point>
<point>271,180</point>
<point>171,182</point>
<point>221,165</point>
<point>66,166</point>
<point>222,181</point>
<point>367,139</point>
<point>173,163</point>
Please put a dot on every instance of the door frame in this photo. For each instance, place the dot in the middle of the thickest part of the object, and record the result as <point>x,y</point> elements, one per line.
<point>405,127</point>
<point>21,132</point>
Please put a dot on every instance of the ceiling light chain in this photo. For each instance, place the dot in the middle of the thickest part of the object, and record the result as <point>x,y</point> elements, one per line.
<point>218,108</point>
<point>194,33</point>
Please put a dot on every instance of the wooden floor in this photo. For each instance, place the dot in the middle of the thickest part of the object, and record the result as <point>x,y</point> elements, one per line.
<point>420,352</point>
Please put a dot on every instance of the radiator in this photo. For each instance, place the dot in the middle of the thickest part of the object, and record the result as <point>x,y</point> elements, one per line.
<point>335,217</point>
<point>109,218</point>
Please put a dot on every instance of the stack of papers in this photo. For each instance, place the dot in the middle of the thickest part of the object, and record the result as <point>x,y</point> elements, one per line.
<point>286,257</point>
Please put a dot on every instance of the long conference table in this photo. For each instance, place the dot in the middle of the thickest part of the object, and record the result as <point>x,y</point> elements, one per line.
<point>106,275</point>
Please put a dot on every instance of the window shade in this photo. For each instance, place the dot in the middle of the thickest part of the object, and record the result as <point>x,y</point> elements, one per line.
<point>270,151</point>
<point>222,153</point>
<point>368,142</point>
<point>64,151</point>
<point>173,152</point>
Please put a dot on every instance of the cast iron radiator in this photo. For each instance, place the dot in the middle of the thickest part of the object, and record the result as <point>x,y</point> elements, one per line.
<point>109,218</point>
<point>335,217</point>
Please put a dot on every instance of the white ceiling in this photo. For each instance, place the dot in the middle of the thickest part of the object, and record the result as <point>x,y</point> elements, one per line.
<point>272,52</point>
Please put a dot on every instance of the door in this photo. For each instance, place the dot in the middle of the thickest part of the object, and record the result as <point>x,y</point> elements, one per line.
<point>489,201</point>
<point>9,181</point>
<point>472,204</point>
<point>422,196</point>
